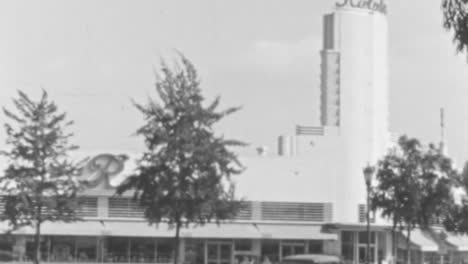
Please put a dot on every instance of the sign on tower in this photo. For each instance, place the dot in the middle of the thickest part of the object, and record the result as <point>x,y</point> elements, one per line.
<point>373,5</point>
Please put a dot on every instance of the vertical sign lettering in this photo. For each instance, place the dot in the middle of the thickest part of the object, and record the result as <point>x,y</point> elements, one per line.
<point>373,5</point>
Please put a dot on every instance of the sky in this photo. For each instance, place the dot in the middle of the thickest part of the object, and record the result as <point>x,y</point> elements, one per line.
<point>95,57</point>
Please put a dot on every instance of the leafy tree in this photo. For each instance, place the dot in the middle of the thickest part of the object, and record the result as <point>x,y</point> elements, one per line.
<point>455,14</point>
<point>437,180</point>
<point>38,183</point>
<point>414,187</point>
<point>184,176</point>
<point>457,218</point>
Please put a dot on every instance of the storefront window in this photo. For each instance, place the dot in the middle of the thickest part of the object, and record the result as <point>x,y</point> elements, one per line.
<point>86,249</point>
<point>6,248</point>
<point>225,252</point>
<point>142,250</point>
<point>289,248</point>
<point>117,249</point>
<point>434,258</point>
<point>416,256</point>
<point>62,249</point>
<point>447,259</point>
<point>194,251</point>
<point>380,256</point>
<point>347,246</point>
<point>219,252</point>
<point>457,257</point>
<point>363,238</point>
<point>401,256</point>
<point>30,251</point>
<point>212,251</point>
<point>243,245</point>
<point>270,249</point>
<point>363,255</point>
<point>164,250</point>
<point>429,257</point>
<point>315,247</point>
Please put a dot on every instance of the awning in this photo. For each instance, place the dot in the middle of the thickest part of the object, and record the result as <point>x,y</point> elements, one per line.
<point>223,231</point>
<point>460,242</point>
<point>88,228</point>
<point>136,229</point>
<point>421,240</point>
<point>99,228</point>
<point>210,230</point>
<point>309,232</point>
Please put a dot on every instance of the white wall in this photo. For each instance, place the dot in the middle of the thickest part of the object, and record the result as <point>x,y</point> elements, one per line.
<point>361,39</point>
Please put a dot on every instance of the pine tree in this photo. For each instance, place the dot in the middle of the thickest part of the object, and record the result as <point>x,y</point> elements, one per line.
<point>38,184</point>
<point>184,176</point>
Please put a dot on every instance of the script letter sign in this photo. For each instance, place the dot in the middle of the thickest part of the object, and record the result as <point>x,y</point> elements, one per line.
<point>373,5</point>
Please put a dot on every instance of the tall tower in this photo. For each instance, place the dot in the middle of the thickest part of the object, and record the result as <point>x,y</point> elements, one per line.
<point>354,93</point>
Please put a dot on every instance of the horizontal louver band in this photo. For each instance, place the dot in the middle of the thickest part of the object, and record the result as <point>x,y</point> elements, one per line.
<point>124,207</point>
<point>2,204</point>
<point>245,213</point>
<point>120,207</point>
<point>282,211</point>
<point>87,207</point>
<point>309,130</point>
<point>363,214</point>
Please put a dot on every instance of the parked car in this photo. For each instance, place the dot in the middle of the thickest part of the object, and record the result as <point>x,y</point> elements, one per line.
<point>246,257</point>
<point>312,259</point>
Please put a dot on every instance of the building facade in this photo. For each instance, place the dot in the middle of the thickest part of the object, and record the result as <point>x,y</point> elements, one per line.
<point>114,230</point>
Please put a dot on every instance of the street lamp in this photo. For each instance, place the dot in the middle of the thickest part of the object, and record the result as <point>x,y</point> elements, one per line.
<point>368,173</point>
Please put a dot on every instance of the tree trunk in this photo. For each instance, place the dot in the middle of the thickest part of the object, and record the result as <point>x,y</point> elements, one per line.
<point>408,251</point>
<point>176,243</point>
<point>394,243</point>
<point>37,243</point>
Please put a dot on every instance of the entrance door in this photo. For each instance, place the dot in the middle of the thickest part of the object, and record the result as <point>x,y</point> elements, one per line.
<point>362,247</point>
<point>219,252</point>
<point>362,254</point>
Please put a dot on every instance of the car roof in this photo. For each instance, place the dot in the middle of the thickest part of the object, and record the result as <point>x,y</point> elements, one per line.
<point>317,258</point>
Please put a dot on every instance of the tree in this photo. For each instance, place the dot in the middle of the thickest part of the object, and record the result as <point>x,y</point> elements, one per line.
<point>414,187</point>
<point>455,18</point>
<point>457,217</point>
<point>184,176</point>
<point>437,180</point>
<point>38,184</point>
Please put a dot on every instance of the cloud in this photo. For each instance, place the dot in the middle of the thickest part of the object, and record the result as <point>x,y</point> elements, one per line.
<point>280,55</point>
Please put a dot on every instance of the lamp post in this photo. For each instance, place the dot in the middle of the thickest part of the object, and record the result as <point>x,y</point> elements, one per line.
<point>368,173</point>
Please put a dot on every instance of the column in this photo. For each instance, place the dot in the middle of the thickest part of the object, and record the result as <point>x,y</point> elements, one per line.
<point>182,250</point>
<point>387,246</point>
<point>257,247</point>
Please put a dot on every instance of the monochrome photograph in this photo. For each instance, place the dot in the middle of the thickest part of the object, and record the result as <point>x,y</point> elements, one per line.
<point>234,132</point>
